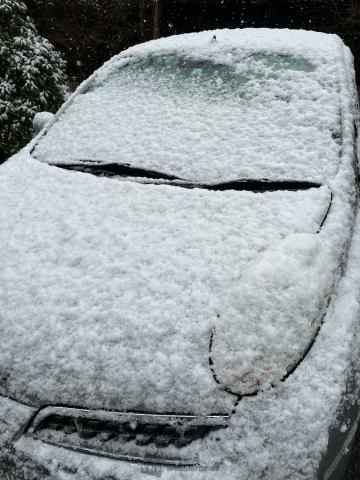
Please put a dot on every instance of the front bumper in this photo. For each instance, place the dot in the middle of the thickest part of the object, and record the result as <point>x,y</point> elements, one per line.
<point>269,450</point>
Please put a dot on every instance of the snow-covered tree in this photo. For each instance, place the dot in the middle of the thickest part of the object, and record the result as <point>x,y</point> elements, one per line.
<point>32,76</point>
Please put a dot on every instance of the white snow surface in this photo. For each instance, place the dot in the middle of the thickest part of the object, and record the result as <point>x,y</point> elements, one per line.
<point>126,281</point>
<point>40,120</point>
<point>276,122</point>
<point>83,256</point>
<point>294,279</point>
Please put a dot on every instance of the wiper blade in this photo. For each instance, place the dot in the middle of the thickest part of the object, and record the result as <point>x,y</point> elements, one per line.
<point>126,170</point>
<point>115,169</point>
<point>263,185</point>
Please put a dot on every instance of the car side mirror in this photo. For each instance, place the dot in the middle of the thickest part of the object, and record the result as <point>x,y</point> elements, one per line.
<point>40,120</point>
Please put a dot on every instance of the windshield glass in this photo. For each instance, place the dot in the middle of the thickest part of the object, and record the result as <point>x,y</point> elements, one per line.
<point>205,120</point>
<point>199,76</point>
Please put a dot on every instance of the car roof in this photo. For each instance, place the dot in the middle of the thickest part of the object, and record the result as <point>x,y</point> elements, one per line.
<point>291,42</point>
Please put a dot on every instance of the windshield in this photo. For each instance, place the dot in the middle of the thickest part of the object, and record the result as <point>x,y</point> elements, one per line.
<point>205,120</point>
<point>193,76</point>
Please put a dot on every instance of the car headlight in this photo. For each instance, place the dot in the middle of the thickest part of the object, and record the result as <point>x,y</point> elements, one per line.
<point>272,316</point>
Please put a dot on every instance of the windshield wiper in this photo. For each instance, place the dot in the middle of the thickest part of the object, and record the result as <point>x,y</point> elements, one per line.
<point>116,169</point>
<point>263,185</point>
<point>126,170</point>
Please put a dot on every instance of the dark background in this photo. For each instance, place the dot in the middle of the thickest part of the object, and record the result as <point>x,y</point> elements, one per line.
<point>89,32</point>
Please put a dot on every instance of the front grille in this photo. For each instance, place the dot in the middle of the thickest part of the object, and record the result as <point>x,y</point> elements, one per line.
<point>133,436</point>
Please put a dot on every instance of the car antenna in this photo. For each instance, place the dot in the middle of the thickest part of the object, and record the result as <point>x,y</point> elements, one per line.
<point>213,40</point>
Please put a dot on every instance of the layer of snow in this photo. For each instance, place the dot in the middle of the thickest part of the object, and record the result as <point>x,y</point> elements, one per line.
<point>277,435</point>
<point>41,119</point>
<point>125,282</point>
<point>252,116</point>
<point>64,225</point>
<point>271,315</point>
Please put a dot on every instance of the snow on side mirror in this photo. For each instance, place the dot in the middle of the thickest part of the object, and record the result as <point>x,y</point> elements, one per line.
<point>40,120</point>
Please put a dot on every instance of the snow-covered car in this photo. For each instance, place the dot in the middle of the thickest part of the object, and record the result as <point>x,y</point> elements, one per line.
<point>180,274</point>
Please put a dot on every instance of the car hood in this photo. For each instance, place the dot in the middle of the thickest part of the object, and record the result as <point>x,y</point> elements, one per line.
<point>110,289</point>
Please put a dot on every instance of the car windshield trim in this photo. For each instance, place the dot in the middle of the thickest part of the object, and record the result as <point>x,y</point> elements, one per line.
<point>127,171</point>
